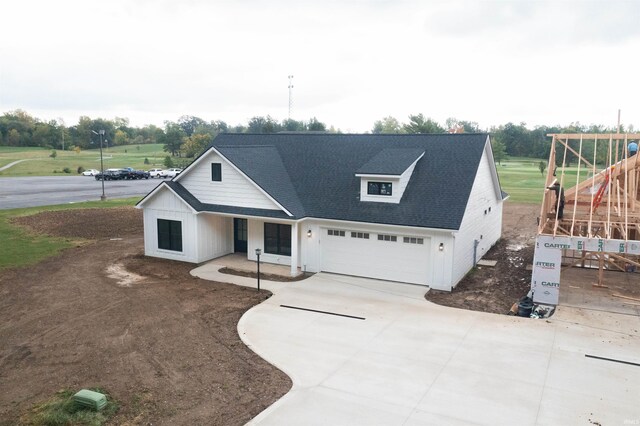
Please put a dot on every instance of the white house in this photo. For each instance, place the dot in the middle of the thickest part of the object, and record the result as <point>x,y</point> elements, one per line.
<point>407,208</point>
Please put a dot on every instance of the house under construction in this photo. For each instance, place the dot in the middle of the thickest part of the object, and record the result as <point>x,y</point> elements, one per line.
<point>590,214</point>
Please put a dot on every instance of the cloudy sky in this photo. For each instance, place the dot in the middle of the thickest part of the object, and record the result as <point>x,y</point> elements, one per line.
<point>353,61</point>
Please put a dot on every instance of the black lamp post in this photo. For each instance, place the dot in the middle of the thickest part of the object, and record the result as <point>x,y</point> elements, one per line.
<point>258,253</point>
<point>101,133</point>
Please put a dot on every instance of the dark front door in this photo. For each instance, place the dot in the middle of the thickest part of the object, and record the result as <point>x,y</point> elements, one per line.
<point>240,235</point>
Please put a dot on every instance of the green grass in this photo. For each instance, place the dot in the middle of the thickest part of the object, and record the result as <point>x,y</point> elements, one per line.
<point>62,410</point>
<point>40,164</point>
<point>20,247</point>
<point>522,180</point>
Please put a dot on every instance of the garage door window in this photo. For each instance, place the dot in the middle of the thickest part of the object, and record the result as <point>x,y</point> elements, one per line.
<point>413,240</point>
<point>277,239</point>
<point>335,232</point>
<point>383,237</point>
<point>360,235</point>
<point>170,235</point>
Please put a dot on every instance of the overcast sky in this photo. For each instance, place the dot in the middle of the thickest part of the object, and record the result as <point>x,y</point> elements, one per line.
<point>353,62</point>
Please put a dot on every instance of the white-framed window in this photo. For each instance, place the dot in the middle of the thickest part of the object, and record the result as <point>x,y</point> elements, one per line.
<point>385,237</point>
<point>364,235</point>
<point>335,232</point>
<point>413,240</point>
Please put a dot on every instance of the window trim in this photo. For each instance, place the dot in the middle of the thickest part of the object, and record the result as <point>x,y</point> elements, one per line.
<point>380,185</point>
<point>170,236</point>
<point>214,175</point>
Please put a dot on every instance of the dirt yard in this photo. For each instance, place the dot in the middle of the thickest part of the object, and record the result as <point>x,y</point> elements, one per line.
<point>164,344</point>
<point>496,289</point>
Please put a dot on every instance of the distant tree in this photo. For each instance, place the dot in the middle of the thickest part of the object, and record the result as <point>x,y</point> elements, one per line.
<point>419,124</point>
<point>189,124</point>
<point>499,153</point>
<point>53,154</point>
<point>146,161</point>
<point>77,149</point>
<point>316,126</point>
<point>263,125</point>
<point>168,162</point>
<point>291,125</point>
<point>121,137</point>
<point>387,125</point>
<point>195,144</point>
<point>173,138</point>
<point>462,126</point>
<point>542,165</point>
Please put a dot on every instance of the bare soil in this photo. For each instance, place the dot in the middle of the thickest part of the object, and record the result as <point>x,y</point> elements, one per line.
<point>163,343</point>
<point>496,289</point>
<point>263,276</point>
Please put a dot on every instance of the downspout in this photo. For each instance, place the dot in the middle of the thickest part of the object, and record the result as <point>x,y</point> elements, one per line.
<point>475,251</point>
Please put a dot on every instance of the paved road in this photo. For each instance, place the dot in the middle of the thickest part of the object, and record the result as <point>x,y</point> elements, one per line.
<point>16,192</point>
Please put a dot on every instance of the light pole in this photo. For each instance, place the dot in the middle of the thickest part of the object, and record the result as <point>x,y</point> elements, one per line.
<point>258,253</point>
<point>101,133</point>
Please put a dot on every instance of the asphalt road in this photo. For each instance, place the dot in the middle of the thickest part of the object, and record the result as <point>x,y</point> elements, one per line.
<point>16,192</point>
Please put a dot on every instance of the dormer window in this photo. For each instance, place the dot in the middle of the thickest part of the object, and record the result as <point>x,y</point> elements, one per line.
<point>379,188</point>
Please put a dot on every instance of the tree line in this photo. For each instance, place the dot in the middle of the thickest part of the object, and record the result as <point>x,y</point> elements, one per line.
<point>189,135</point>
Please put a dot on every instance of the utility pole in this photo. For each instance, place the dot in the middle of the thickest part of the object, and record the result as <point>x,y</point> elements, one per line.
<point>290,87</point>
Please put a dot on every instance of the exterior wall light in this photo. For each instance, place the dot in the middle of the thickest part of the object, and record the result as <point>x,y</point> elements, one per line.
<point>309,233</point>
<point>441,247</point>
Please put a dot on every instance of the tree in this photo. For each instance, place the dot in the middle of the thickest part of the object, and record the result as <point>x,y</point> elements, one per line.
<point>168,162</point>
<point>499,153</point>
<point>53,154</point>
<point>420,124</point>
<point>461,126</point>
<point>316,126</point>
<point>291,125</point>
<point>173,138</point>
<point>387,125</point>
<point>542,165</point>
<point>196,144</point>
<point>263,125</point>
<point>189,124</point>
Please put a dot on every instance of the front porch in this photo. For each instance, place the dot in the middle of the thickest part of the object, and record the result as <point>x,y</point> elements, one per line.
<point>239,261</point>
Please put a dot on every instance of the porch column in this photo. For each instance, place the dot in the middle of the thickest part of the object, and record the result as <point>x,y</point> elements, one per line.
<point>294,249</point>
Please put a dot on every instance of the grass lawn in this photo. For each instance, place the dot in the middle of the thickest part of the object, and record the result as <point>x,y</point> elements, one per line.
<point>41,164</point>
<point>20,247</point>
<point>522,180</point>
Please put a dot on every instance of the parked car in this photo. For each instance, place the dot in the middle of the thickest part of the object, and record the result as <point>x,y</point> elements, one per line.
<point>155,173</point>
<point>90,172</point>
<point>112,174</point>
<point>170,173</point>
<point>131,173</point>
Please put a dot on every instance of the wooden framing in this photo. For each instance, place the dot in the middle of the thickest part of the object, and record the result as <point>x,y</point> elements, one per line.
<point>602,201</point>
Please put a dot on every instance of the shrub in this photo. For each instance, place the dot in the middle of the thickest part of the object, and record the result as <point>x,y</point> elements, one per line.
<point>80,169</point>
<point>168,162</point>
<point>53,154</point>
<point>66,170</point>
<point>146,160</point>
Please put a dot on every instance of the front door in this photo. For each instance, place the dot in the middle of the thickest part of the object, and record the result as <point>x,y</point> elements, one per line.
<point>240,235</point>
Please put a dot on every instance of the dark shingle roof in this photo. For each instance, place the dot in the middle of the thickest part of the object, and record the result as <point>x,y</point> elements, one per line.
<point>264,166</point>
<point>313,175</point>
<point>391,161</point>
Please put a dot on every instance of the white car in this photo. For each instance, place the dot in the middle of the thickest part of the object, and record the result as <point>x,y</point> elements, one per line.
<point>90,172</point>
<point>155,173</point>
<point>170,173</point>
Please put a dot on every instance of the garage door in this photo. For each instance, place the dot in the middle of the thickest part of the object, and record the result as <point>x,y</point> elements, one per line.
<point>393,257</point>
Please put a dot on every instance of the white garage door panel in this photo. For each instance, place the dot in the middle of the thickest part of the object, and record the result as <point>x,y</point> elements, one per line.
<point>387,260</point>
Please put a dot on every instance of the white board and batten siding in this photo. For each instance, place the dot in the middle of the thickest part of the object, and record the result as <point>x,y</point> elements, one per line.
<point>234,189</point>
<point>482,218</point>
<point>204,236</point>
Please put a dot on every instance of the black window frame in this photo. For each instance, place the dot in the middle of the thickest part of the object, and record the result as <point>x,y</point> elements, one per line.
<point>276,237</point>
<point>380,188</point>
<point>169,234</point>
<point>216,172</point>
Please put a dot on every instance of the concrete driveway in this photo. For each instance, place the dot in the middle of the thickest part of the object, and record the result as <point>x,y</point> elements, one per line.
<point>400,360</point>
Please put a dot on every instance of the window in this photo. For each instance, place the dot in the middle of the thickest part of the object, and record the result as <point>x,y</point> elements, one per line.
<point>170,234</point>
<point>413,240</point>
<point>277,239</point>
<point>216,172</point>
<point>335,232</point>
<point>379,188</point>
<point>363,235</point>
<point>383,237</point>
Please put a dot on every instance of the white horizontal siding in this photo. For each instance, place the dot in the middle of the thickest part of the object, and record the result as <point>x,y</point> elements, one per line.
<point>234,189</point>
<point>486,228</point>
